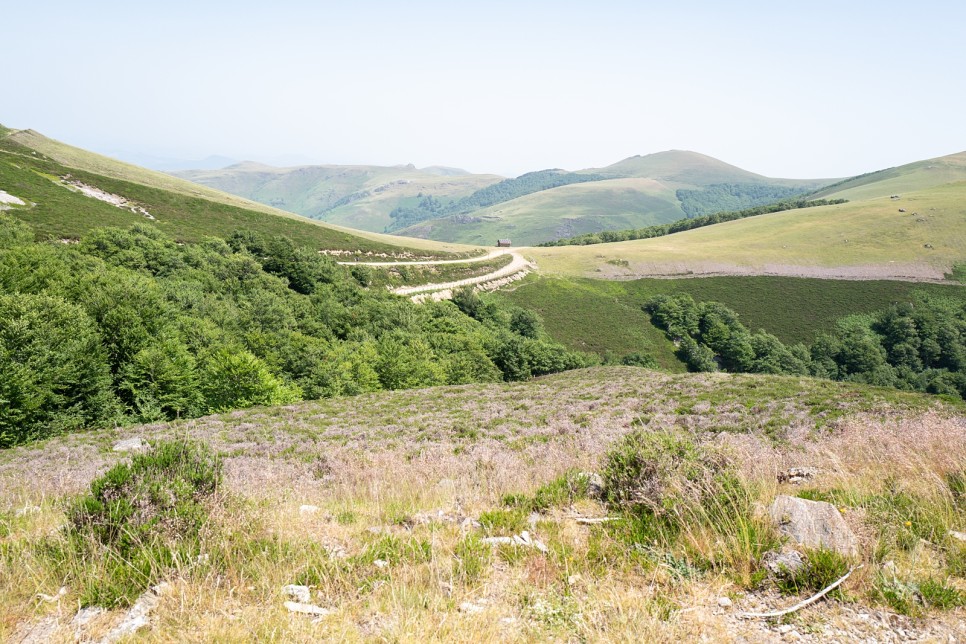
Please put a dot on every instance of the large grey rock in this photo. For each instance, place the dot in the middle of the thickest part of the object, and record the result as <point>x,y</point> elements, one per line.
<point>813,524</point>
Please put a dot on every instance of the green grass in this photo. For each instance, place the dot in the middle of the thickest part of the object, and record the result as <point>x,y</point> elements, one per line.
<point>560,212</point>
<point>864,238</point>
<point>793,309</point>
<point>30,162</point>
<point>61,213</point>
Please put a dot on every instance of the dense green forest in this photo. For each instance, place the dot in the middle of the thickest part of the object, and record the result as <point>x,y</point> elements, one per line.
<point>430,207</point>
<point>918,346</point>
<point>129,325</point>
<point>722,197</point>
<point>681,225</point>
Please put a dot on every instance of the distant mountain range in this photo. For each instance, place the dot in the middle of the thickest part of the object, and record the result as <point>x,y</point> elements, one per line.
<point>448,204</point>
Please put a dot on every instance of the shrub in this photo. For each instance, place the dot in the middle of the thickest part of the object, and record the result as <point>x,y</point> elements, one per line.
<point>822,567</point>
<point>688,500</point>
<point>139,519</point>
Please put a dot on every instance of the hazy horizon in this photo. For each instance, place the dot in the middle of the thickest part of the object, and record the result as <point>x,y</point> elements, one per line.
<point>503,88</point>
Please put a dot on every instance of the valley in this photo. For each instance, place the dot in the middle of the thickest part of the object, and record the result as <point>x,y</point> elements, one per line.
<point>223,421</point>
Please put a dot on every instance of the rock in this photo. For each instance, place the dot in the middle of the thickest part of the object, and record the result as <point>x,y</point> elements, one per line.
<point>595,486</point>
<point>308,509</point>
<point>522,539</point>
<point>85,615</point>
<point>797,475</point>
<point>381,563</point>
<point>307,609</point>
<point>813,524</point>
<point>724,602</point>
<point>130,445</point>
<point>298,593</point>
<point>470,608</point>
<point>783,563</point>
<point>26,510</point>
<point>470,524</point>
<point>137,617</point>
<point>961,536</point>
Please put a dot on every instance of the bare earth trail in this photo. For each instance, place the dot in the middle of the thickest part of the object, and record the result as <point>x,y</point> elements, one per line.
<point>518,267</point>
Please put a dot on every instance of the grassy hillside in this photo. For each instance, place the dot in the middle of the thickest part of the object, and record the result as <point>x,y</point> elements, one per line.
<point>865,239</point>
<point>793,309</point>
<point>642,191</point>
<point>896,181</point>
<point>381,505</point>
<point>32,166</point>
<point>355,196</point>
<point>559,212</point>
<point>191,210</point>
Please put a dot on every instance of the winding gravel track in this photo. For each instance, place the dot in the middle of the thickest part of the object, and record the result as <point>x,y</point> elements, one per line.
<point>516,265</point>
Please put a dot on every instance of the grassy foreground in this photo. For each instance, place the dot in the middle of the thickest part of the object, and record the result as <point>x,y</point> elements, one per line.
<point>365,501</point>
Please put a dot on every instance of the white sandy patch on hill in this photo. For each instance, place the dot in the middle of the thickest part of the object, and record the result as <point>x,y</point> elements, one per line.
<point>107,197</point>
<point>7,198</point>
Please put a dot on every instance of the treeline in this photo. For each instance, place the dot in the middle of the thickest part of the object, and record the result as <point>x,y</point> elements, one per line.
<point>681,225</point>
<point>130,326</point>
<point>721,197</point>
<point>430,207</point>
<point>918,346</point>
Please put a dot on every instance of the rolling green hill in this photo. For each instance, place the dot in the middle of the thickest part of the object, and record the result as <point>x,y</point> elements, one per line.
<point>895,181</point>
<point>355,196</point>
<point>863,239</point>
<point>32,168</point>
<point>533,208</point>
<point>639,191</point>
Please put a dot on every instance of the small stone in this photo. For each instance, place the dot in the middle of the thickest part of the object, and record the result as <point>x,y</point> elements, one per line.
<point>381,563</point>
<point>595,485</point>
<point>783,563</point>
<point>470,608</point>
<point>308,509</point>
<point>85,615</point>
<point>299,593</point>
<point>573,579</point>
<point>724,602</point>
<point>307,609</point>
<point>130,445</point>
<point>470,524</point>
<point>27,510</point>
<point>785,628</point>
<point>498,541</point>
<point>961,536</point>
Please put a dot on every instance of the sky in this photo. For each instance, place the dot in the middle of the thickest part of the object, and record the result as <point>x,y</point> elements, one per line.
<point>804,90</point>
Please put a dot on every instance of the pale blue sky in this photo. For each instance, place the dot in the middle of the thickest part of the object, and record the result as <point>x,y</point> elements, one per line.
<point>814,89</point>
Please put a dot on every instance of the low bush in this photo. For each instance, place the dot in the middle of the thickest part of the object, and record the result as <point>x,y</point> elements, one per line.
<point>139,520</point>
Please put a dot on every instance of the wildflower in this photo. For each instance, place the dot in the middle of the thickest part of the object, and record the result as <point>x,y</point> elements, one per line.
<point>908,524</point>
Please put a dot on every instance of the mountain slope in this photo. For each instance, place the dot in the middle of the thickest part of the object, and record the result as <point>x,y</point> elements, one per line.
<point>559,212</point>
<point>868,238</point>
<point>355,196</point>
<point>905,178</point>
<point>639,191</point>
<point>32,167</point>
<point>635,192</point>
